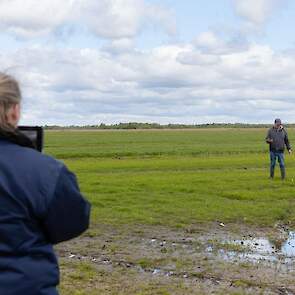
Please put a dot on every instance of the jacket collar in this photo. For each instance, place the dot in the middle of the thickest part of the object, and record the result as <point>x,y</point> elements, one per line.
<point>278,129</point>
<point>16,137</point>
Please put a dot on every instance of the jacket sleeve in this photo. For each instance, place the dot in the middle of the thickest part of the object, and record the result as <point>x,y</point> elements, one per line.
<point>287,142</point>
<point>68,214</point>
<point>267,136</point>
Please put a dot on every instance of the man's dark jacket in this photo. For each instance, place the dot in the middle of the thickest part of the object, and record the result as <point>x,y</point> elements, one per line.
<point>280,139</point>
<point>40,205</point>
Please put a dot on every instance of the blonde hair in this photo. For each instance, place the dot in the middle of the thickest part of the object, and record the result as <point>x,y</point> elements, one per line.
<point>10,95</point>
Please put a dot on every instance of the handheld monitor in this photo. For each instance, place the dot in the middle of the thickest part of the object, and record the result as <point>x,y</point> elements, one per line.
<point>35,134</point>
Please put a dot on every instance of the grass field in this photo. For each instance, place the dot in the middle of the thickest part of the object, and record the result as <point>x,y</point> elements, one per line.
<point>171,180</point>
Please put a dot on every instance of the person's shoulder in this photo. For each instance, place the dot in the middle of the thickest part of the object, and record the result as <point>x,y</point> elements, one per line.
<point>285,130</point>
<point>40,161</point>
<point>28,160</point>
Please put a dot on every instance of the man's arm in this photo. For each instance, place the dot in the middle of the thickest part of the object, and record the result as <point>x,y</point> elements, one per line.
<point>268,138</point>
<point>287,142</point>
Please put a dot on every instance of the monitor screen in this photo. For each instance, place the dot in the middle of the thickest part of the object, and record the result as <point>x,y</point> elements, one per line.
<point>35,134</point>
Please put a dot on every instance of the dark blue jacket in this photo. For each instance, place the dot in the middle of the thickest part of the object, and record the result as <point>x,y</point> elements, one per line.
<point>40,205</point>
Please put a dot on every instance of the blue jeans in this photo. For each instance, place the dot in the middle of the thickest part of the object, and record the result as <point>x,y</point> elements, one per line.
<point>273,159</point>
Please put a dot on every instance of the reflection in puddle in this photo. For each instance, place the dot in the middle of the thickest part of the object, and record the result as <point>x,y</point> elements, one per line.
<point>288,247</point>
<point>260,249</point>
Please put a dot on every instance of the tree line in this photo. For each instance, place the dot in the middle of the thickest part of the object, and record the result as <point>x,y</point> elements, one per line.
<point>136,125</point>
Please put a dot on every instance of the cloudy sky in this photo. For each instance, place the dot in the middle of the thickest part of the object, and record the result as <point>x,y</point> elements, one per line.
<point>166,61</point>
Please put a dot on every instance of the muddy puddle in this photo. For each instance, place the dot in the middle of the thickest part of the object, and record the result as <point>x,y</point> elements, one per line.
<point>248,249</point>
<point>217,257</point>
<point>253,249</point>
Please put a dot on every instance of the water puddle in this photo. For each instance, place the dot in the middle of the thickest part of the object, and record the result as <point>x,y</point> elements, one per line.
<point>258,249</point>
<point>288,247</point>
<point>249,249</point>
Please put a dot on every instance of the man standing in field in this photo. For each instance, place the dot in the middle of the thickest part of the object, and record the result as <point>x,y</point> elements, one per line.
<point>277,138</point>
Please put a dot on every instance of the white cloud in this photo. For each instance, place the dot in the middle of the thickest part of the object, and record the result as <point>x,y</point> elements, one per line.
<point>210,42</point>
<point>111,18</point>
<point>256,12</point>
<point>197,58</point>
<point>32,18</point>
<point>104,18</point>
<point>118,46</point>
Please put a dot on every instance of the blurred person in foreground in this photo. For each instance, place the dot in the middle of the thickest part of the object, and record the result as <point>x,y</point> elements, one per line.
<point>277,138</point>
<point>40,205</point>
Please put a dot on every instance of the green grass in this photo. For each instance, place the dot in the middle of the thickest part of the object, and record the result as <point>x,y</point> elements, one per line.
<point>177,178</point>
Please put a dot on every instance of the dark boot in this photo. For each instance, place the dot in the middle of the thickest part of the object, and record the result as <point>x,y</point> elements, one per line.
<point>283,173</point>
<point>272,172</point>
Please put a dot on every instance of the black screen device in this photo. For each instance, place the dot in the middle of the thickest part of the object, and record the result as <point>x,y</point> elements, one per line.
<point>35,134</point>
